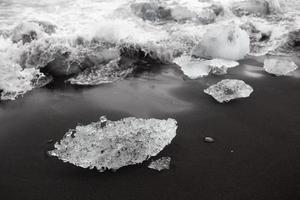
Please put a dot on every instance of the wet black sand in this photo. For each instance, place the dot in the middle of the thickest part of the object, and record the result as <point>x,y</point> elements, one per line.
<point>255,156</point>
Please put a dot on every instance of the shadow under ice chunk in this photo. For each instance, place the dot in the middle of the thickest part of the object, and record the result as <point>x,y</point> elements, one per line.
<point>229,89</point>
<point>120,143</point>
<point>279,67</point>
<point>160,164</point>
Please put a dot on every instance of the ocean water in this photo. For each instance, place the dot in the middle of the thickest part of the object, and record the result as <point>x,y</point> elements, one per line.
<point>68,37</point>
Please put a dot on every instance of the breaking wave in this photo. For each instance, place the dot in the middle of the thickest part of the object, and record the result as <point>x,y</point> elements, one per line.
<point>100,41</point>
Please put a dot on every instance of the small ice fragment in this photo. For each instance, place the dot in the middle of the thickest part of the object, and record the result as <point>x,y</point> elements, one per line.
<point>120,143</point>
<point>229,89</point>
<point>220,66</point>
<point>103,121</point>
<point>279,67</point>
<point>160,164</point>
<point>50,141</point>
<point>209,140</point>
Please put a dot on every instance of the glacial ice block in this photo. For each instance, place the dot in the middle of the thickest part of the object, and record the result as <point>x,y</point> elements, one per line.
<point>191,67</point>
<point>279,67</point>
<point>220,66</point>
<point>229,89</point>
<point>196,68</point>
<point>115,144</point>
<point>160,164</point>
<point>225,41</point>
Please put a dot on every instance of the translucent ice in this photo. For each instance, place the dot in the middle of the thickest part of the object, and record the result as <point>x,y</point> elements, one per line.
<point>160,164</point>
<point>193,68</point>
<point>220,66</point>
<point>225,41</point>
<point>119,143</point>
<point>196,68</point>
<point>229,89</point>
<point>279,67</point>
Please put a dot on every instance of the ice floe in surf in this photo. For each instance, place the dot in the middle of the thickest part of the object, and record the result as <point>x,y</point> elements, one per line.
<point>229,89</point>
<point>279,67</point>
<point>160,164</point>
<point>196,68</point>
<point>115,144</point>
<point>226,42</point>
<point>220,66</point>
<point>255,7</point>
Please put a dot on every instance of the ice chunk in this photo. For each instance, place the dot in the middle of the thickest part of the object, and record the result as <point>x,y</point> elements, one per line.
<point>196,68</point>
<point>160,164</point>
<point>108,73</point>
<point>225,41</point>
<point>119,143</point>
<point>248,7</point>
<point>279,67</point>
<point>220,66</point>
<point>229,89</point>
<point>193,68</point>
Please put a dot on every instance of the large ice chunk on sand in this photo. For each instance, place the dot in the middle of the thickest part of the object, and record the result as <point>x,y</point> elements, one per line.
<point>279,67</point>
<point>114,144</point>
<point>229,89</point>
<point>160,164</point>
<point>224,41</point>
<point>196,68</point>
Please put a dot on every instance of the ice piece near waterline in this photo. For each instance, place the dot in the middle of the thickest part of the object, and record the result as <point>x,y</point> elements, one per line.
<point>279,67</point>
<point>160,164</point>
<point>192,67</point>
<point>229,89</point>
<point>196,68</point>
<point>225,41</point>
<point>220,66</point>
<point>120,143</point>
<point>107,73</point>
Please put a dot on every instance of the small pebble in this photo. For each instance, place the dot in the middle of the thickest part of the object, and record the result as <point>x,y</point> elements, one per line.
<point>209,140</point>
<point>50,141</point>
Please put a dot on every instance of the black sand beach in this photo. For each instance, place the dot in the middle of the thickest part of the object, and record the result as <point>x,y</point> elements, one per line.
<point>255,155</point>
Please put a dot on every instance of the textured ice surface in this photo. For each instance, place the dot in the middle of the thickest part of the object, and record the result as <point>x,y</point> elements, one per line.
<point>119,143</point>
<point>220,66</point>
<point>107,73</point>
<point>229,89</point>
<point>196,68</point>
<point>160,164</point>
<point>192,67</point>
<point>279,67</point>
<point>226,41</point>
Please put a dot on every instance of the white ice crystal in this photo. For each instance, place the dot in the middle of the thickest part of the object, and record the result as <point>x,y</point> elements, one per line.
<point>193,68</point>
<point>116,143</point>
<point>160,164</point>
<point>229,89</point>
<point>196,68</point>
<point>279,67</point>
<point>220,66</point>
<point>225,41</point>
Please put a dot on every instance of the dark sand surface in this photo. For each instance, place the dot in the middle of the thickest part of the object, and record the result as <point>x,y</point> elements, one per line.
<point>255,156</point>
